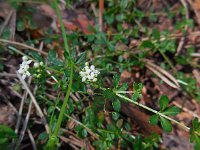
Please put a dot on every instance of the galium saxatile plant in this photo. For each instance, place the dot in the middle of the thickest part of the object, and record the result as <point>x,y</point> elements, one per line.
<point>89,73</point>
<point>25,66</point>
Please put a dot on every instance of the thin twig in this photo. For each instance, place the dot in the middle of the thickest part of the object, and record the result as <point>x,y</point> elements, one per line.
<point>28,130</point>
<point>6,22</point>
<point>5,74</point>
<point>154,111</point>
<point>101,9</point>
<point>186,110</point>
<point>24,126</point>
<point>23,45</point>
<point>182,40</point>
<point>21,109</point>
<point>35,102</point>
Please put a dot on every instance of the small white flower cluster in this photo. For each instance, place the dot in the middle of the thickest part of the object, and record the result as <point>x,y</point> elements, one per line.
<point>37,64</point>
<point>23,70</point>
<point>24,66</point>
<point>89,73</point>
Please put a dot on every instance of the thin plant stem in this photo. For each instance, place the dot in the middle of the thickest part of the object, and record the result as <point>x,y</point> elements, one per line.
<point>154,111</point>
<point>71,64</point>
<point>62,111</point>
<point>167,60</point>
<point>58,13</point>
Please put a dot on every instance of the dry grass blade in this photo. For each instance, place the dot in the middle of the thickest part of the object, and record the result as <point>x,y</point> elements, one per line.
<point>182,40</point>
<point>24,126</point>
<point>73,141</point>
<point>28,130</point>
<point>101,8</point>
<point>162,71</point>
<point>6,22</point>
<point>166,80</point>
<point>34,102</point>
<point>195,54</point>
<point>23,45</point>
<point>21,109</point>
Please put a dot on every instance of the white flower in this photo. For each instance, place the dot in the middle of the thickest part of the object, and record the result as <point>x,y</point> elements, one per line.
<point>24,66</point>
<point>41,63</point>
<point>89,73</point>
<point>24,58</point>
<point>92,67</point>
<point>36,65</point>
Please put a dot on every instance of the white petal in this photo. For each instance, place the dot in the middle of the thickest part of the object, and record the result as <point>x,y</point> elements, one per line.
<point>26,67</point>
<point>36,65</point>
<point>24,58</point>
<point>20,71</point>
<point>92,67</point>
<point>95,79</point>
<point>87,71</point>
<point>83,79</point>
<point>29,61</point>
<point>92,74</point>
<point>41,63</point>
<point>28,73</point>
<point>86,64</point>
<point>23,76</point>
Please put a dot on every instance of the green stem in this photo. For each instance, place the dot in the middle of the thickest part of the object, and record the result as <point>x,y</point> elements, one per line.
<point>53,139</point>
<point>58,13</point>
<point>62,111</point>
<point>154,111</point>
<point>167,60</point>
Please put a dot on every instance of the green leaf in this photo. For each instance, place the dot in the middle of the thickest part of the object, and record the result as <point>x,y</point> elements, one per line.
<point>172,111</point>
<point>154,119</point>
<point>166,124</point>
<point>195,133</point>
<point>116,105</point>
<point>123,4</point>
<point>52,58</point>
<point>43,136</point>
<point>109,94</point>
<point>156,34</point>
<point>7,131</point>
<point>136,96</point>
<point>36,56</point>
<point>147,44</point>
<point>115,115</point>
<point>164,101</point>
<point>137,87</point>
<point>20,26</point>
<point>81,58</point>
<point>84,133</point>
<point>124,87</point>
<point>116,79</point>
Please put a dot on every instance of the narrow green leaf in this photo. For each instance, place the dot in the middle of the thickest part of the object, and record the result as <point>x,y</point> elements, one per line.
<point>136,96</point>
<point>52,58</point>
<point>124,87</point>
<point>154,119</point>
<point>36,56</point>
<point>195,133</point>
<point>172,111</point>
<point>81,58</point>
<point>147,44</point>
<point>156,34</point>
<point>116,105</point>
<point>164,101</point>
<point>116,79</point>
<point>7,132</point>
<point>108,93</point>
<point>115,115</point>
<point>166,124</point>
